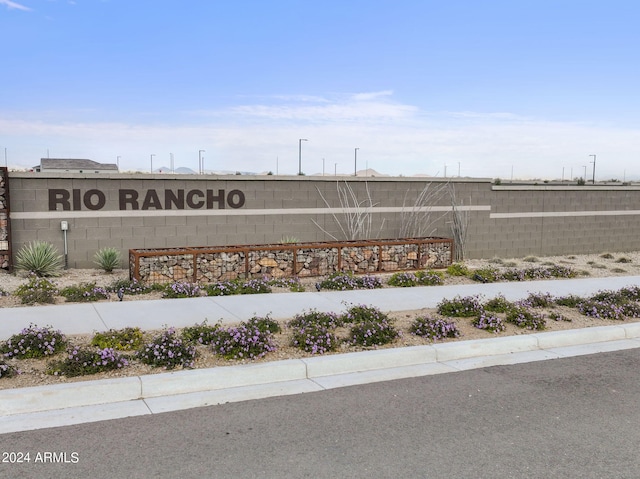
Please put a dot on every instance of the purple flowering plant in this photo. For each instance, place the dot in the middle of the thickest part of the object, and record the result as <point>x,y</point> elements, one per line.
<point>489,322</point>
<point>523,317</point>
<point>201,333</point>
<point>7,370</point>
<point>84,292</point>
<point>314,332</point>
<point>167,350</point>
<point>498,304</point>
<point>85,361</point>
<point>403,279</point>
<point>601,309</point>
<point>460,307</point>
<point>34,342</point>
<point>246,341</point>
<point>346,280</point>
<point>434,328</point>
<point>37,290</point>
<point>181,289</point>
<point>370,326</point>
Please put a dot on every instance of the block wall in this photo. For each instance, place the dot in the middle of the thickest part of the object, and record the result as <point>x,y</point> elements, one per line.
<point>163,211</point>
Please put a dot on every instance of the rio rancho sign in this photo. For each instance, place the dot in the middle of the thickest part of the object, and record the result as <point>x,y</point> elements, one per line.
<point>76,200</point>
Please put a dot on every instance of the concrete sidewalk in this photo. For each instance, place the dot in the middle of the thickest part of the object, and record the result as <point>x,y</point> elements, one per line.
<point>156,314</point>
<point>72,403</point>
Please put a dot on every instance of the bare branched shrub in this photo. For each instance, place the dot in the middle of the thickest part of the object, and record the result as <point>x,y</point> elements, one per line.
<point>417,221</point>
<point>355,216</point>
<point>459,226</point>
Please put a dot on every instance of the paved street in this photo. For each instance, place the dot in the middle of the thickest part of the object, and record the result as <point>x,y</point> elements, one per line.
<point>564,418</point>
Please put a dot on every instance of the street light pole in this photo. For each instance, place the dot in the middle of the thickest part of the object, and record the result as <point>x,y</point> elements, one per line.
<point>323,167</point>
<point>118,163</point>
<point>152,155</point>
<point>201,162</point>
<point>300,155</point>
<point>355,162</point>
<point>594,170</point>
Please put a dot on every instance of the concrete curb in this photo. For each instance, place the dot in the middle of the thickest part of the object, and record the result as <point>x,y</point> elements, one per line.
<point>324,372</point>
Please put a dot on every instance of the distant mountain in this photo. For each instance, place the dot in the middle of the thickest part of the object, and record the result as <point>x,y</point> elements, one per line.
<point>183,170</point>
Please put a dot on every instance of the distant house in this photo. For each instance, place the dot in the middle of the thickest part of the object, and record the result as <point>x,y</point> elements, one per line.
<point>73,165</point>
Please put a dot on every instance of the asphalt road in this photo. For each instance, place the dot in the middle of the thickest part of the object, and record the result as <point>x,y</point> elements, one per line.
<point>563,418</point>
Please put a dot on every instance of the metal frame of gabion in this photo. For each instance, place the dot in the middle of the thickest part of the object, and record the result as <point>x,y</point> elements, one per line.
<point>251,255</point>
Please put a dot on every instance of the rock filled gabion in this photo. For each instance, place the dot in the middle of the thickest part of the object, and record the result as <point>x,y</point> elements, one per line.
<point>214,267</point>
<point>310,261</point>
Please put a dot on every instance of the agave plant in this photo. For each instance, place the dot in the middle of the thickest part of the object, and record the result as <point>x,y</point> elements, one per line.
<point>40,258</point>
<point>108,259</point>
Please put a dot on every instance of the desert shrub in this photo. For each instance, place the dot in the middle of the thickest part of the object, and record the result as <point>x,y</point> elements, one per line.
<point>313,332</point>
<point>631,309</point>
<point>538,300</point>
<point>530,259</point>
<point>544,272</point>
<point>632,293</point>
<point>485,275</point>
<point>167,350</point>
<point>129,286</point>
<point>201,333</point>
<point>623,259</point>
<point>264,324</point>
<point>460,307</point>
<point>34,342</point>
<point>499,304</point>
<point>458,269</point>
<point>39,258</point>
<point>83,361</point>
<point>523,317</point>
<point>489,322</point>
<point>402,279</point>
<point>7,370</point>
<point>570,301</point>
<point>373,333</point>
<point>606,256</point>
<point>292,284</point>
<point>238,286</point>
<point>37,290</point>
<point>360,313</point>
<point>434,328</point>
<point>346,280</point>
<point>255,286</point>
<point>222,288</point>
<point>609,296</point>
<point>181,289</point>
<point>85,292</point>
<point>558,317</point>
<point>127,339</point>
<point>3,292</point>
<point>107,259</point>
<point>246,341</point>
<point>429,278</point>
<point>513,274</point>
<point>601,309</point>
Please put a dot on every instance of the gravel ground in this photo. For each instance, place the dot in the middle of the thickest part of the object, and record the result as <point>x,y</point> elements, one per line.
<point>595,265</point>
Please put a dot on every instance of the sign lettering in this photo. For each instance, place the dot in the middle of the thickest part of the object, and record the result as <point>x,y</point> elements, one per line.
<point>77,200</point>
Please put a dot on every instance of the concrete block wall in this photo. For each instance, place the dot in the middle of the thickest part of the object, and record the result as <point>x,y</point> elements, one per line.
<point>505,220</point>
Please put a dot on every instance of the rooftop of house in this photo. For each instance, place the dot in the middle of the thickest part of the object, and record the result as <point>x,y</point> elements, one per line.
<point>74,164</point>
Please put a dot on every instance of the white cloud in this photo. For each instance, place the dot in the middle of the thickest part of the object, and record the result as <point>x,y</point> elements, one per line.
<point>392,138</point>
<point>13,5</point>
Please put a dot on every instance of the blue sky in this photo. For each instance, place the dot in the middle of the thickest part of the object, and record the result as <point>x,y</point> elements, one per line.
<point>486,88</point>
